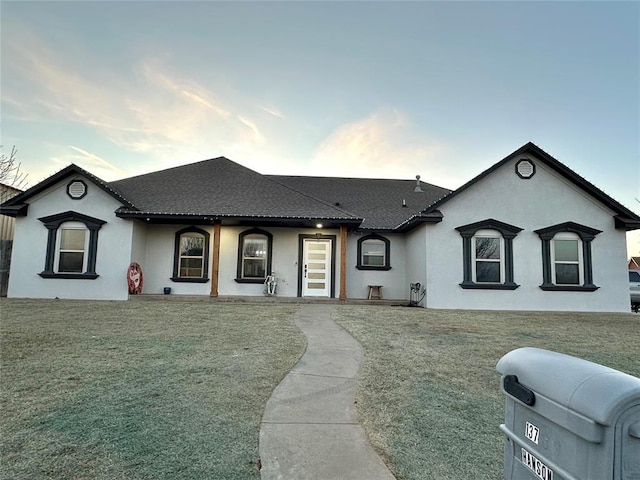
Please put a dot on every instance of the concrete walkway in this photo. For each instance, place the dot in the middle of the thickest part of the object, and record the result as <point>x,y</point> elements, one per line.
<point>310,428</point>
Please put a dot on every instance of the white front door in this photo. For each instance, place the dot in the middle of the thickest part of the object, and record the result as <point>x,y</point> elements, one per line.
<point>316,270</point>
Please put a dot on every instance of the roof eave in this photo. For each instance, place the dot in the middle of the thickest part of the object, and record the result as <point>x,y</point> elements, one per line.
<point>19,210</point>
<point>434,216</point>
<point>627,224</point>
<point>61,175</point>
<point>298,221</point>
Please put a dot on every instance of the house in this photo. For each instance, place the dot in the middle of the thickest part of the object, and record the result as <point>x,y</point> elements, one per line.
<point>634,263</point>
<point>526,234</point>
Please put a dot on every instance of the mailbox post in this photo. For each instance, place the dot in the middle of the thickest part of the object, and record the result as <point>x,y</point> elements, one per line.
<point>568,419</point>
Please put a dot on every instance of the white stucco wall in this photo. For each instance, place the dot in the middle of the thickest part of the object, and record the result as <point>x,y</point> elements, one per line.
<point>416,259</point>
<point>284,261</point>
<point>395,286</point>
<point>157,266</point>
<point>30,245</point>
<point>544,200</point>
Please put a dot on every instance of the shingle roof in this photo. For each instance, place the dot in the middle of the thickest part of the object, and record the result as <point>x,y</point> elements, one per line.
<point>222,188</point>
<point>378,201</point>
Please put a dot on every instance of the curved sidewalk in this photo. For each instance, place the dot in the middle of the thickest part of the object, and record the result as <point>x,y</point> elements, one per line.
<point>310,428</point>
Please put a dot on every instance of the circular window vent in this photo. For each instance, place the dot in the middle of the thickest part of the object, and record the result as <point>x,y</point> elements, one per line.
<point>77,189</point>
<point>525,168</point>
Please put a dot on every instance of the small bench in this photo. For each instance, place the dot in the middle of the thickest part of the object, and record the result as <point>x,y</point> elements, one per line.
<point>375,292</point>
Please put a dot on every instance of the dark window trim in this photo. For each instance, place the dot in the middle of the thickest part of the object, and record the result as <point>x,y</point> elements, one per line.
<point>53,223</point>
<point>176,257</point>
<point>586,234</point>
<point>253,231</point>
<point>508,233</point>
<point>387,253</point>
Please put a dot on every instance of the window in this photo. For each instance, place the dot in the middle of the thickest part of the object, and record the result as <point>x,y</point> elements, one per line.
<point>373,253</point>
<point>566,257</point>
<point>487,255</point>
<point>72,246</point>
<point>191,256</point>
<point>566,266</point>
<point>254,256</point>
<point>488,265</point>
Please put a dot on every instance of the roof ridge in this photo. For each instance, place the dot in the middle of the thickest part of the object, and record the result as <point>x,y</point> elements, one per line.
<point>364,179</point>
<point>311,196</point>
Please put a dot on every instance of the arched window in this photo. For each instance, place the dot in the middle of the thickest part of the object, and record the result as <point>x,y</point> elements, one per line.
<point>487,249</point>
<point>191,256</point>
<point>566,257</point>
<point>254,256</point>
<point>72,246</point>
<point>374,253</point>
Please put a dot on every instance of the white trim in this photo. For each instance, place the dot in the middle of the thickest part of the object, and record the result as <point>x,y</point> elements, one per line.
<point>59,250</point>
<point>579,262</point>
<point>486,233</point>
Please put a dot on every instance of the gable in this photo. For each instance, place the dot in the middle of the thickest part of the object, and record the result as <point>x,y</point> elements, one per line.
<point>513,168</point>
<point>73,179</point>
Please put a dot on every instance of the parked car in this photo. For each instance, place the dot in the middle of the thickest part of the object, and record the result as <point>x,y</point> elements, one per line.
<point>634,289</point>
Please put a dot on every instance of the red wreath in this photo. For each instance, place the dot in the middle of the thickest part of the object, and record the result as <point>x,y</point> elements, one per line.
<point>134,279</point>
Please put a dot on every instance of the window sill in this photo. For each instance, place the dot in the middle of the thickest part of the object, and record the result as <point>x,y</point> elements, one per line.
<point>370,267</point>
<point>70,276</point>
<point>550,287</point>
<point>189,279</point>
<point>249,280</point>
<point>489,286</point>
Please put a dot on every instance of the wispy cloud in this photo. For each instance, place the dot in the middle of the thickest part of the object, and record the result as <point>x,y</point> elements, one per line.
<point>381,145</point>
<point>273,111</point>
<point>158,111</point>
<point>94,161</point>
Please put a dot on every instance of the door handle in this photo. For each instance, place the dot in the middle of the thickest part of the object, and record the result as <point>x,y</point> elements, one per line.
<point>305,270</point>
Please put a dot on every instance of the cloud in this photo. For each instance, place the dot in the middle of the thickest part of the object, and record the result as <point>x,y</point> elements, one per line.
<point>382,145</point>
<point>152,109</point>
<point>94,162</point>
<point>273,111</point>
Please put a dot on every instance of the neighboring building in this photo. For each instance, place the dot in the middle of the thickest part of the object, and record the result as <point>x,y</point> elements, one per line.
<point>6,238</point>
<point>634,263</point>
<point>526,234</point>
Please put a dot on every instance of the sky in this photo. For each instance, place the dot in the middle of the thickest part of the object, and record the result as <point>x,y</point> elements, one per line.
<point>363,89</point>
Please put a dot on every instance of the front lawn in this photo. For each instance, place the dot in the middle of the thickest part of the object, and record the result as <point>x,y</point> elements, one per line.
<point>429,396</point>
<point>138,390</point>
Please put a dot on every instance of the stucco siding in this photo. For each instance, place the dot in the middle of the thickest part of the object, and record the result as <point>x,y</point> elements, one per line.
<point>30,245</point>
<point>284,263</point>
<point>542,201</point>
<point>393,281</point>
<point>157,268</point>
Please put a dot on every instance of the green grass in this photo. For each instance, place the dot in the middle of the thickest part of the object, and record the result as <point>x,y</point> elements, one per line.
<point>138,390</point>
<point>429,397</point>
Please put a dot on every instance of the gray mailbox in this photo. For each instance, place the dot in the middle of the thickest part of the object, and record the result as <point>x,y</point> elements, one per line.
<point>568,419</point>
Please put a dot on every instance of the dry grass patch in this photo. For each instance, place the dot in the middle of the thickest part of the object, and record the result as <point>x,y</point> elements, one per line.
<point>138,390</point>
<point>430,397</point>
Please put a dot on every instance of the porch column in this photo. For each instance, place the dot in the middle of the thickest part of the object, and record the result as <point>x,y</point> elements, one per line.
<point>343,262</point>
<point>216,259</point>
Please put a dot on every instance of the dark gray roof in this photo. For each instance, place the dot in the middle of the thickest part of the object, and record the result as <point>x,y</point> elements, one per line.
<point>378,201</point>
<point>221,188</point>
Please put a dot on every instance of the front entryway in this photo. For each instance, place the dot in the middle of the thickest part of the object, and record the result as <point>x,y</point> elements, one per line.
<point>316,267</point>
